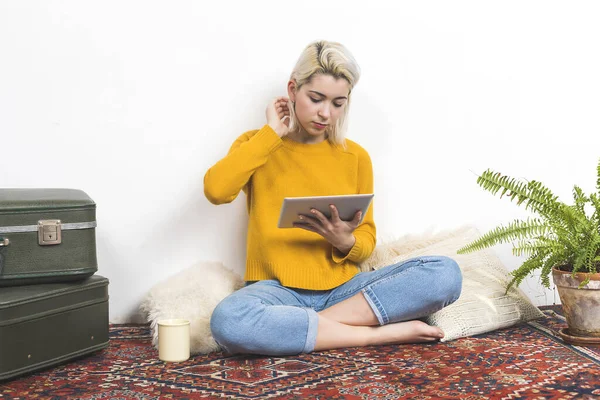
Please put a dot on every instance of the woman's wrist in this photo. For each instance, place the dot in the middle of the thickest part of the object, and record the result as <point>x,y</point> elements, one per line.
<point>346,245</point>
<point>278,129</point>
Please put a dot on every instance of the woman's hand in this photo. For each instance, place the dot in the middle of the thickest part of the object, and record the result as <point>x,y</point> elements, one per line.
<point>334,230</point>
<point>278,115</point>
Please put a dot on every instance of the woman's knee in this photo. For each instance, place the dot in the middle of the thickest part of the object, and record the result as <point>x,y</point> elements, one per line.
<point>228,324</point>
<point>448,278</point>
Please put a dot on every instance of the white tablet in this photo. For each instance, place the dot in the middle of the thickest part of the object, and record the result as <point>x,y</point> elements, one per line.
<point>347,206</point>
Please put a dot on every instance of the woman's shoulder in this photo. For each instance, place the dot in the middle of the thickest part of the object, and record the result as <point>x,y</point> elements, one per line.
<point>265,129</point>
<point>355,148</point>
<point>247,135</point>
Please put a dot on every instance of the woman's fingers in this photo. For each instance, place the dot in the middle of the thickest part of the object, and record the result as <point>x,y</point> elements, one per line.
<point>305,227</point>
<point>308,219</point>
<point>278,115</point>
<point>283,115</point>
<point>310,222</point>
<point>321,217</point>
<point>335,215</point>
<point>356,219</point>
<point>282,107</point>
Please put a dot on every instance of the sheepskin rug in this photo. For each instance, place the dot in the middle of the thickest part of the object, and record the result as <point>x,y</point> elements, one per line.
<point>191,294</point>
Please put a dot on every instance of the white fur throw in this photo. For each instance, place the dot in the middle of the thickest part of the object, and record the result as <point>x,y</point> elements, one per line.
<point>482,307</point>
<point>191,294</point>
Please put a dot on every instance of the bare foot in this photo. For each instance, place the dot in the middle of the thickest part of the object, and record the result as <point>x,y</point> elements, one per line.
<point>407,332</point>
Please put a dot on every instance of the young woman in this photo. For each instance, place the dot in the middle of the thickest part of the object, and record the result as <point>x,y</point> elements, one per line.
<point>304,291</point>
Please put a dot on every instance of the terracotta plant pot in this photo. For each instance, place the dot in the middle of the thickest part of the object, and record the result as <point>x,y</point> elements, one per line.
<point>581,306</point>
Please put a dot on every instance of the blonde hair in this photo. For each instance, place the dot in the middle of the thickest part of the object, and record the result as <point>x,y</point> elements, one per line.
<point>326,58</point>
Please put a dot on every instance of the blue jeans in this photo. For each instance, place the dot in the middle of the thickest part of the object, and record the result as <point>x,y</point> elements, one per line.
<point>267,318</point>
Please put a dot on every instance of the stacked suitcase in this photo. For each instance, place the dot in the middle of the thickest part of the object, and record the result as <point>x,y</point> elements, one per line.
<point>53,308</point>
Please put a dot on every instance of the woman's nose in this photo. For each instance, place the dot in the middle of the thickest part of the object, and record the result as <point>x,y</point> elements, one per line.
<point>324,111</point>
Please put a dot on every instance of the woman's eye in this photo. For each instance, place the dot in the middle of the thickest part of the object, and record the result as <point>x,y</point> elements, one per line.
<point>317,100</point>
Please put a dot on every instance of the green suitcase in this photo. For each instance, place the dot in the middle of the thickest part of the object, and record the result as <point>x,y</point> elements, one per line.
<point>46,235</point>
<point>47,324</point>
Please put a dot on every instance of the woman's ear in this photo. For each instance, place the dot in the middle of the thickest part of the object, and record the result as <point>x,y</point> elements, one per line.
<point>292,90</point>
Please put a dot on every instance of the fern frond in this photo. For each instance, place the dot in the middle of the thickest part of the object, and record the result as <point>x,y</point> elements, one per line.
<point>579,259</point>
<point>525,247</point>
<point>595,200</point>
<point>580,199</point>
<point>504,234</point>
<point>584,282</point>
<point>573,217</point>
<point>559,247</point>
<point>563,235</point>
<point>531,264</point>
<point>538,197</point>
<point>598,180</point>
<point>592,253</point>
<point>550,262</point>
<point>541,243</point>
<point>542,198</point>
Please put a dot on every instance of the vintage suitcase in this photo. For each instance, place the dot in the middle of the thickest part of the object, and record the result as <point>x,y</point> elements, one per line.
<point>47,324</point>
<point>46,235</point>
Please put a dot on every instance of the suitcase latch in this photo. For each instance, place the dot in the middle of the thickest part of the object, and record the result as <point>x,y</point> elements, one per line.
<point>49,232</point>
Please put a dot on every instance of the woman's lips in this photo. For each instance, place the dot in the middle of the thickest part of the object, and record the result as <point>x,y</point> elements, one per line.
<point>320,126</point>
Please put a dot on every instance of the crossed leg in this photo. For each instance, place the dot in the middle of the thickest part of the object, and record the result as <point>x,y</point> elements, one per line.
<point>352,322</point>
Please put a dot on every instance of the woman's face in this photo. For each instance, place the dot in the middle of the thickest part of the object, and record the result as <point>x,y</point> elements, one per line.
<point>319,103</point>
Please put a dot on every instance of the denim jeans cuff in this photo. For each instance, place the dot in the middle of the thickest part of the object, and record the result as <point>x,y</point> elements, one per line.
<point>311,335</point>
<point>376,306</point>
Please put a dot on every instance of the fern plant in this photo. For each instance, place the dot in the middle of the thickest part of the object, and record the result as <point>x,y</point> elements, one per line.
<point>562,236</point>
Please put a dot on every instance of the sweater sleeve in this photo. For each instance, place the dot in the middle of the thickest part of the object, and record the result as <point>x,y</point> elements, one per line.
<point>365,234</point>
<point>224,180</point>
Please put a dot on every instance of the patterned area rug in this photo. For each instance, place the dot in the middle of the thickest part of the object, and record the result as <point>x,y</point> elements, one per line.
<point>526,361</point>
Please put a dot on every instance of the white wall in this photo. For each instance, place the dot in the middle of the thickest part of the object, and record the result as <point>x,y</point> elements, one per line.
<point>132,101</point>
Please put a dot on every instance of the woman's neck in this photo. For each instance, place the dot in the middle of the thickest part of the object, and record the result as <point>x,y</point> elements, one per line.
<point>302,136</point>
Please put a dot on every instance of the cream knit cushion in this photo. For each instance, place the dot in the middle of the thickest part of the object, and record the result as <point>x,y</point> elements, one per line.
<point>482,305</point>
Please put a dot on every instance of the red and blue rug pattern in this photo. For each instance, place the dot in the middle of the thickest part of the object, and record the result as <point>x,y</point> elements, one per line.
<point>525,361</point>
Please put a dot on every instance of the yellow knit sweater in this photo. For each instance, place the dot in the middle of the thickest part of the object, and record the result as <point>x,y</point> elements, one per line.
<point>268,168</point>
